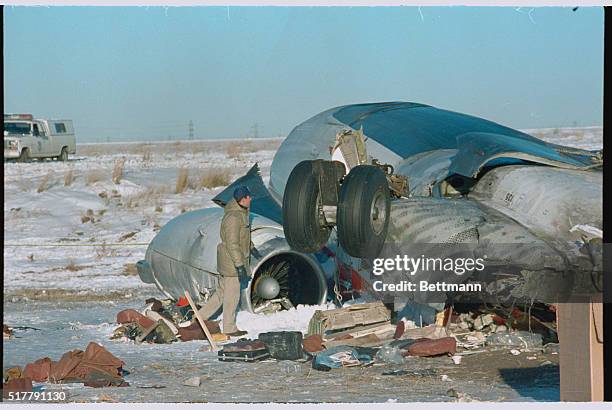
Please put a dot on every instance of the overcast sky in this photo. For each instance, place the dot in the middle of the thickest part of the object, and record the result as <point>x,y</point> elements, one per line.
<point>144,72</point>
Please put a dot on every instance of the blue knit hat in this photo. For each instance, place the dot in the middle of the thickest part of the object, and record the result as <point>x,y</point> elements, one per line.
<point>241,192</point>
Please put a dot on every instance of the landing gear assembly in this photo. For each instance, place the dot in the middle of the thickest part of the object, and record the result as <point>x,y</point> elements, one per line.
<point>320,195</point>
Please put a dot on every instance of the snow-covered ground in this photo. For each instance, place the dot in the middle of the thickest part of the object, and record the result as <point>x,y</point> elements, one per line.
<point>51,242</point>
<point>68,268</point>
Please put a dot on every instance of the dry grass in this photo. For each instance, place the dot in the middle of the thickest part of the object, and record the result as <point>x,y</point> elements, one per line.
<point>130,269</point>
<point>44,182</point>
<point>72,267</point>
<point>106,251</point>
<point>127,236</point>
<point>147,156</point>
<point>94,176</point>
<point>69,177</point>
<point>182,180</point>
<point>165,147</point>
<point>233,151</point>
<point>212,178</point>
<point>149,196</point>
<point>118,170</point>
<point>88,217</point>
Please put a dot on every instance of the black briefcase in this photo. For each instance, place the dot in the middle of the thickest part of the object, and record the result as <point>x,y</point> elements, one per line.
<point>283,345</point>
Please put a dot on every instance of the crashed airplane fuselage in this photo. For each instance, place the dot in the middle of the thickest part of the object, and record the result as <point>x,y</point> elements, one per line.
<point>469,181</point>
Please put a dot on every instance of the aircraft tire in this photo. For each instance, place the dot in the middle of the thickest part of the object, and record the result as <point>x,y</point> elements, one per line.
<point>301,223</point>
<point>363,212</point>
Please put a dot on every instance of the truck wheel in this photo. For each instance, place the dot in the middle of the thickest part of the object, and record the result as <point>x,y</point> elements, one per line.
<point>63,155</point>
<point>305,231</point>
<point>24,156</point>
<point>363,212</point>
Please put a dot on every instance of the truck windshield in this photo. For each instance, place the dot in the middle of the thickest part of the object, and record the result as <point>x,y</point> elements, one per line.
<point>17,127</point>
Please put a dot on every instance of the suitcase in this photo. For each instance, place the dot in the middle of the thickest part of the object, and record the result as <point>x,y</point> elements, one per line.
<point>243,351</point>
<point>283,345</point>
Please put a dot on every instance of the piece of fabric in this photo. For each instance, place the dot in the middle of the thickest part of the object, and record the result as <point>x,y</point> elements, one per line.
<point>194,331</point>
<point>93,364</point>
<point>131,315</point>
<point>21,385</point>
<point>235,246</point>
<point>61,369</point>
<point>39,370</point>
<point>227,295</point>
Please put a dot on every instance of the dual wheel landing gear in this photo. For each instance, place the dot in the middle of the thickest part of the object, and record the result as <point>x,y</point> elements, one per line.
<point>318,196</point>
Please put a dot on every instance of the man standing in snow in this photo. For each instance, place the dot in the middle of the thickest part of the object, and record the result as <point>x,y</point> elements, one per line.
<point>232,260</point>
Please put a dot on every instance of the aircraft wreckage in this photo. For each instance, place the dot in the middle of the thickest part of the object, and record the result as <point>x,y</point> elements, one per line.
<point>362,181</point>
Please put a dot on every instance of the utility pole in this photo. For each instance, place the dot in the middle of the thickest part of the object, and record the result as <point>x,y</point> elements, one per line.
<point>190,130</point>
<point>255,129</point>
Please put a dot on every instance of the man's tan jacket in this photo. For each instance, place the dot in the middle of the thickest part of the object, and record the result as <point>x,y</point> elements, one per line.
<point>235,246</point>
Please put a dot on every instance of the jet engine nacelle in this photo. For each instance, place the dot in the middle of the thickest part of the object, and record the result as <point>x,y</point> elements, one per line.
<point>183,256</point>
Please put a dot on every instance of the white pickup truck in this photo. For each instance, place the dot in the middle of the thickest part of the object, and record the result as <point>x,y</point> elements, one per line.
<point>26,138</point>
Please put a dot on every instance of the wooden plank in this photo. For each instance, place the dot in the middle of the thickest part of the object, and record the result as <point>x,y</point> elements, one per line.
<point>200,321</point>
<point>146,333</point>
<point>364,341</point>
<point>363,330</point>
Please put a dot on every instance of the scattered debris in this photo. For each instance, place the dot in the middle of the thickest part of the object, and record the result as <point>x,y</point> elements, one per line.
<point>349,317</point>
<point>339,356</point>
<point>283,345</point>
<point>95,367</point>
<point>433,347</point>
<point>390,354</point>
<point>313,344</point>
<point>551,348</point>
<point>244,350</point>
<point>12,373</point>
<point>520,339</point>
<point>159,323</point>
<point>482,321</point>
<point>7,332</point>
